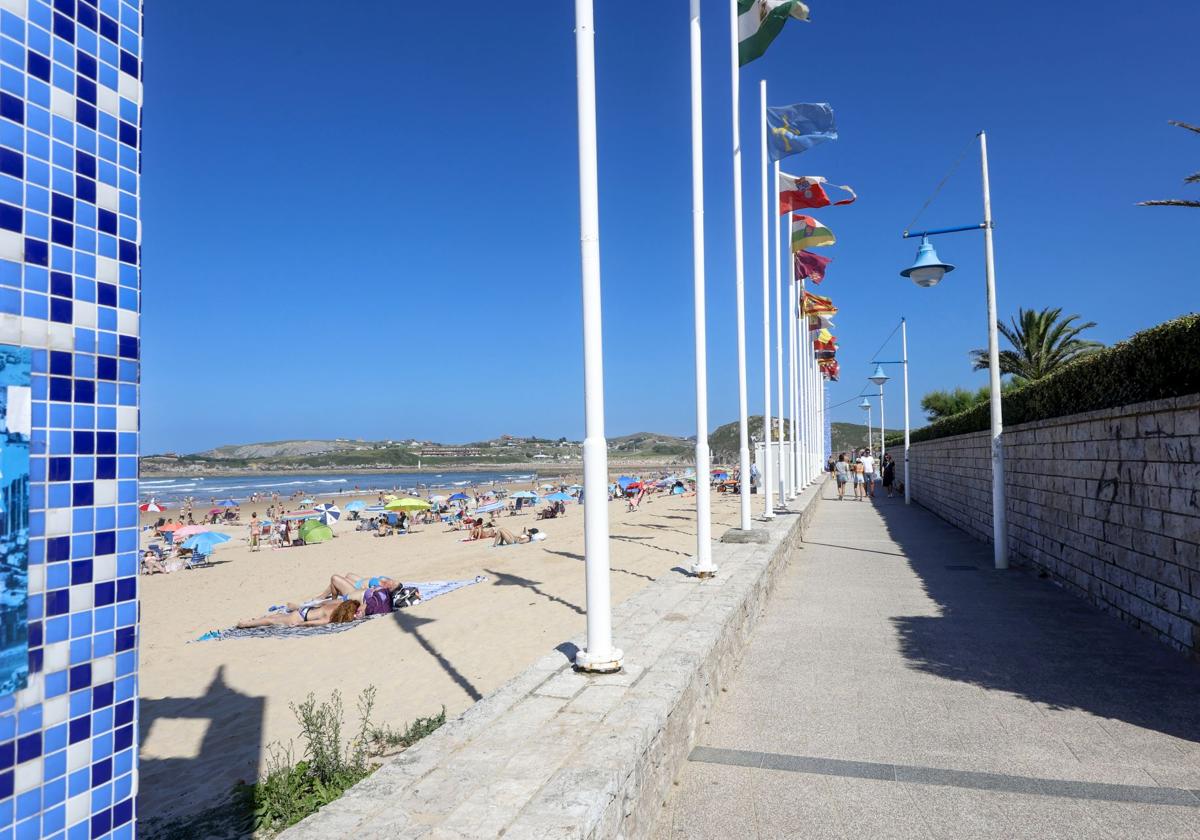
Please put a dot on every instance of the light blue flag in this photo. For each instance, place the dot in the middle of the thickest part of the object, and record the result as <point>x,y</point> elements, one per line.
<point>797,128</point>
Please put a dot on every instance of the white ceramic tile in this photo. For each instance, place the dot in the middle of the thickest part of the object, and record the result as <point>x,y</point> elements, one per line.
<point>107,270</point>
<point>62,103</point>
<point>127,322</point>
<point>28,776</point>
<point>17,7</point>
<point>85,314</point>
<point>104,567</point>
<point>37,579</point>
<point>57,656</point>
<point>54,711</point>
<point>79,755</point>
<point>10,328</point>
<point>12,246</point>
<point>127,418</point>
<point>108,197</point>
<point>108,100</point>
<point>58,522</point>
<point>34,332</point>
<point>129,87</point>
<point>83,597</point>
<point>60,336</point>
<point>79,807</point>
<point>105,489</point>
<point>104,669</point>
<point>32,693</point>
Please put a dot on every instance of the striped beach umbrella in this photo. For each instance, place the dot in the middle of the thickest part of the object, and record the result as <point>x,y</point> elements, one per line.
<point>152,506</point>
<point>329,513</point>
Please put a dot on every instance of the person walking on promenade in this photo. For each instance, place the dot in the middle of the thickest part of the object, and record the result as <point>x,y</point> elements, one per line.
<point>889,474</point>
<point>857,467</point>
<point>868,463</point>
<point>841,471</point>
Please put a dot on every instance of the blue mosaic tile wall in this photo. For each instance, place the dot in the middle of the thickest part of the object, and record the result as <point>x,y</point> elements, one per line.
<point>70,122</point>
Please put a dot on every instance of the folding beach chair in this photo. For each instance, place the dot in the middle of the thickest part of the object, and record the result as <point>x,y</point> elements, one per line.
<point>197,560</point>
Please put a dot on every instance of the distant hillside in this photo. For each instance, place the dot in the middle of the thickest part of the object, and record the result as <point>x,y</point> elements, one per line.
<point>281,449</point>
<point>651,444</point>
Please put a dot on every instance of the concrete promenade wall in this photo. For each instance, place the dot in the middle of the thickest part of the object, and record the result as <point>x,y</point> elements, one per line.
<point>557,754</point>
<point>1106,502</point>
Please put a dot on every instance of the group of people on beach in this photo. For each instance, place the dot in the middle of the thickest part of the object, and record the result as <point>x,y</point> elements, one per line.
<point>862,472</point>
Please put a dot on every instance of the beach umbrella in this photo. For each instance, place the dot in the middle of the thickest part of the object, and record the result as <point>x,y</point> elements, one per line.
<point>329,513</point>
<point>315,532</point>
<point>211,511</point>
<point>299,514</point>
<point>524,494</point>
<point>227,503</point>
<point>624,481</point>
<point>306,501</point>
<point>407,504</point>
<point>152,507</point>
<point>356,505</point>
<point>489,508</point>
<point>720,476</point>
<point>191,531</point>
<point>437,500</point>
<point>575,487</point>
<point>559,497</point>
<point>460,497</point>
<point>204,543</point>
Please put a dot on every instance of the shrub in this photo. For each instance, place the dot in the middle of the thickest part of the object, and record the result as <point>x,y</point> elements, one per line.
<point>1154,364</point>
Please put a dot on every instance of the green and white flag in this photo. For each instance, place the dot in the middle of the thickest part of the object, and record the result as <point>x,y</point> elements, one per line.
<point>759,21</point>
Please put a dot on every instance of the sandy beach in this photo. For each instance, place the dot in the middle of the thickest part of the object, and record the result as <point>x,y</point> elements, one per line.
<point>210,709</point>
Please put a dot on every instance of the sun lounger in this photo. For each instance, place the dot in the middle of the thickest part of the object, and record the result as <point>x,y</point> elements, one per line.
<point>197,560</point>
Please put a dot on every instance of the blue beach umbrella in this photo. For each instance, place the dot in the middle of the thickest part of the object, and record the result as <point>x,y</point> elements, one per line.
<point>624,481</point>
<point>356,505</point>
<point>227,503</point>
<point>524,494</point>
<point>459,497</point>
<point>204,543</point>
<point>489,508</point>
<point>559,497</point>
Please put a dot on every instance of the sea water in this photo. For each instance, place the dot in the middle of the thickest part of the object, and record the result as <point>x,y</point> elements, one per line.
<point>323,486</point>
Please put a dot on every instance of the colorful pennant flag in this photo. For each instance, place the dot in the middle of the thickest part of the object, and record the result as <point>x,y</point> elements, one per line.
<point>828,345</point>
<point>759,21</point>
<point>797,128</point>
<point>807,232</point>
<point>819,322</point>
<point>805,192</point>
<point>810,266</point>
<point>830,368</point>
<point>818,305</point>
<point>823,335</point>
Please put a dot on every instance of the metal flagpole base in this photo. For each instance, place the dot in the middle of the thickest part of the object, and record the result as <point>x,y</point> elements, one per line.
<point>608,664</point>
<point>704,572</point>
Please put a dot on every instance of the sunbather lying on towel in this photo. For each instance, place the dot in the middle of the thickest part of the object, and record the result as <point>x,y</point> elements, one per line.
<point>506,537</point>
<point>333,612</point>
<point>352,582</point>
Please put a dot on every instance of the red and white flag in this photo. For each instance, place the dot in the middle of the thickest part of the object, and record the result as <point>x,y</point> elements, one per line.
<point>805,192</point>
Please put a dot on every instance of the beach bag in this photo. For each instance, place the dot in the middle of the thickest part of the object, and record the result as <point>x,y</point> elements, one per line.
<point>405,596</point>
<point>377,601</point>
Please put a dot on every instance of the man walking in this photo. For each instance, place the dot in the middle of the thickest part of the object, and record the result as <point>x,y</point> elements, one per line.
<point>868,462</point>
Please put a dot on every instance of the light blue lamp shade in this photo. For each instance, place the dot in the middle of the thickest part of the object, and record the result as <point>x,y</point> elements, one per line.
<point>928,270</point>
<point>879,377</point>
<point>864,405</point>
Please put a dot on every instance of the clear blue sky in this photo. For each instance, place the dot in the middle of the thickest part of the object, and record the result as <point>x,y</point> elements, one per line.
<point>365,222</point>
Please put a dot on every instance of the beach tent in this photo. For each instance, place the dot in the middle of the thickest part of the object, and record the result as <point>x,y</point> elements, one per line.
<point>315,532</point>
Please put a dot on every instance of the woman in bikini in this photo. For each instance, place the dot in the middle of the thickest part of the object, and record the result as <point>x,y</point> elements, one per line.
<point>352,582</point>
<point>334,612</point>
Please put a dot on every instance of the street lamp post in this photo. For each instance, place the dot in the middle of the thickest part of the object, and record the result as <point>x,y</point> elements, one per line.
<point>879,377</point>
<point>928,271</point>
<point>865,405</point>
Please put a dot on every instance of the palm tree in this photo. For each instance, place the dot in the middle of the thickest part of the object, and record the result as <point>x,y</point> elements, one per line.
<point>1194,178</point>
<point>1043,342</point>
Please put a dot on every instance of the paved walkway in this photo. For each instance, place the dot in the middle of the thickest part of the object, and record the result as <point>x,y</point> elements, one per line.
<point>898,687</point>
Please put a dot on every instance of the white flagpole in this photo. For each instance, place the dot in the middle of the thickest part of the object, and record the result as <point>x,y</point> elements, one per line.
<point>802,400</point>
<point>783,484</point>
<point>600,655</point>
<point>740,280</point>
<point>768,470</point>
<point>703,565</point>
<point>791,355</point>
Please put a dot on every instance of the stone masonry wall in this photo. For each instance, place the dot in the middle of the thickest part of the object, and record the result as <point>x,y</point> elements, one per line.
<point>1107,502</point>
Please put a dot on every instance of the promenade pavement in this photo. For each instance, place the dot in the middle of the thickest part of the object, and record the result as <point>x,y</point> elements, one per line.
<point>899,687</point>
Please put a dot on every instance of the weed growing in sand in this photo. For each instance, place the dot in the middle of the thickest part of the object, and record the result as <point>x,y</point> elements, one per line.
<point>292,790</point>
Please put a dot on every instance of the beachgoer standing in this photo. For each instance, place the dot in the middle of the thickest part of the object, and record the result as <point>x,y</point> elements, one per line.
<point>868,462</point>
<point>841,471</point>
<point>889,474</point>
<point>254,531</point>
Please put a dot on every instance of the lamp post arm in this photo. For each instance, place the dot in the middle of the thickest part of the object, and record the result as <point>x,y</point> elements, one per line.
<point>910,234</point>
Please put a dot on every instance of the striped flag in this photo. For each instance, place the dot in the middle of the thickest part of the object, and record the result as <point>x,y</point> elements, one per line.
<point>810,266</point>
<point>759,21</point>
<point>818,305</point>
<point>805,192</point>
<point>807,232</point>
<point>819,322</point>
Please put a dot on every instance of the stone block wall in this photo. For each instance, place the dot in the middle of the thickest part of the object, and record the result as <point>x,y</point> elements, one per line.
<point>1106,502</point>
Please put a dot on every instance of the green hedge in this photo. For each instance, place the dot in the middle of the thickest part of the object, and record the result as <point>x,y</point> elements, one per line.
<point>1154,364</point>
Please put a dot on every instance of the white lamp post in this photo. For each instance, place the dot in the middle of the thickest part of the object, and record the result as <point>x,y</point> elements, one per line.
<point>928,271</point>
<point>865,405</point>
<point>879,377</point>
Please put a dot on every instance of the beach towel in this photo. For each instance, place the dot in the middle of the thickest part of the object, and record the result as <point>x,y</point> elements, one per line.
<point>429,590</point>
